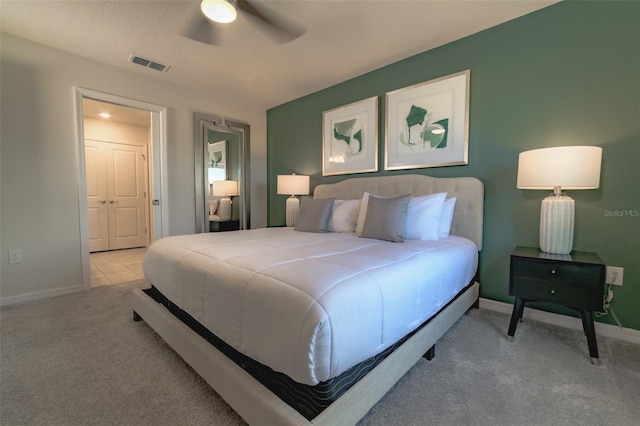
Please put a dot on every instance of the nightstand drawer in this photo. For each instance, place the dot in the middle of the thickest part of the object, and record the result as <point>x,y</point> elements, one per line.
<point>571,273</point>
<point>574,295</point>
<point>575,280</point>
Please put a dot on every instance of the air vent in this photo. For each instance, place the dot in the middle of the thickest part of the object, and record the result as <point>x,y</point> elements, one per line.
<point>148,63</point>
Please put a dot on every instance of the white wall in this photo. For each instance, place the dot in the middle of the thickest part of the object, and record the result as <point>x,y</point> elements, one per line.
<point>113,131</point>
<point>39,209</point>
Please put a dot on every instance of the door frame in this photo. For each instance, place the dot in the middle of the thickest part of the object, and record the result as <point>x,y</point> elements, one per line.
<point>159,213</point>
<point>200,123</point>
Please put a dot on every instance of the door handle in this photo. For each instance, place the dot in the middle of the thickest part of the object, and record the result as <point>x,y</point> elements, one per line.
<point>111,201</point>
<point>102,201</point>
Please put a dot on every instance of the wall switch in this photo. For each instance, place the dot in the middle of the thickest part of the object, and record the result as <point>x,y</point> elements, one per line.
<point>15,256</point>
<point>614,275</point>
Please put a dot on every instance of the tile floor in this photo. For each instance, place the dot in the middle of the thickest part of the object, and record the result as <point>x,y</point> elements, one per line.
<point>117,266</point>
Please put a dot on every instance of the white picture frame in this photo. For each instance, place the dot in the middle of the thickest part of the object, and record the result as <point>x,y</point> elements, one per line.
<point>427,124</point>
<point>216,157</point>
<point>350,138</point>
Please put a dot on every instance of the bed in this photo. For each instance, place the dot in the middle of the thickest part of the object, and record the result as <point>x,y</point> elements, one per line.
<point>294,327</point>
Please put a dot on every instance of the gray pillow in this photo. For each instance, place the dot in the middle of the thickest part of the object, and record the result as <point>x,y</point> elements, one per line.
<point>385,218</point>
<point>314,214</point>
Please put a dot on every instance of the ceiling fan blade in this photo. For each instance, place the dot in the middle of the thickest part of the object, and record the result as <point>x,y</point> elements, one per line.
<point>278,27</point>
<point>199,28</point>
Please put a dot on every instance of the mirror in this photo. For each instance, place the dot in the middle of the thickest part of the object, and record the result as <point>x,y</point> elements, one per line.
<point>222,174</point>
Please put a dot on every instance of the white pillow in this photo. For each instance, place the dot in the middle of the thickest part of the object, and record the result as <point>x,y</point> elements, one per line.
<point>344,217</point>
<point>362,215</point>
<point>447,217</point>
<point>423,217</point>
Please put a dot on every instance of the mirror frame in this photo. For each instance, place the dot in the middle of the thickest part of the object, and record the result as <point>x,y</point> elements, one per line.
<point>202,121</point>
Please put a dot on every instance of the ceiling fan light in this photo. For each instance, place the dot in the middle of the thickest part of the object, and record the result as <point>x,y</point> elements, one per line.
<point>219,10</point>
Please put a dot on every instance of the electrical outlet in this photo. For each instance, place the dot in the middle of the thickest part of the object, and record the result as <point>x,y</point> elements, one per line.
<point>614,275</point>
<point>15,256</point>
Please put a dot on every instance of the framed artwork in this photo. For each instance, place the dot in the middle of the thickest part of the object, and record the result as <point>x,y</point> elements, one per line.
<point>427,124</point>
<point>216,158</point>
<point>350,138</point>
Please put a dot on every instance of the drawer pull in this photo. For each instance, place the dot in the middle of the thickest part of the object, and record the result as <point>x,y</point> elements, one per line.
<point>553,291</point>
<point>553,271</point>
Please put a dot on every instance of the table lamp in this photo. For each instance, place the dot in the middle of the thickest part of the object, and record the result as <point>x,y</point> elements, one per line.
<point>558,168</point>
<point>225,189</point>
<point>293,185</point>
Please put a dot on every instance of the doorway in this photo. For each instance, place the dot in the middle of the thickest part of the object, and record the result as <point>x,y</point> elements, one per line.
<point>156,215</point>
<point>117,187</point>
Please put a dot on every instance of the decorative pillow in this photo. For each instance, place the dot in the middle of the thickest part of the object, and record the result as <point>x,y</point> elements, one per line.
<point>344,216</point>
<point>362,215</point>
<point>423,217</point>
<point>385,218</point>
<point>314,214</point>
<point>447,217</point>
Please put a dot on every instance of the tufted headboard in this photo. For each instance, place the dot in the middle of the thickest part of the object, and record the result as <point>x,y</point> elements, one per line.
<point>469,192</point>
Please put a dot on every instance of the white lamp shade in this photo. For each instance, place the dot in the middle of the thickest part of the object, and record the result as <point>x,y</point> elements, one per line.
<point>225,188</point>
<point>568,167</point>
<point>219,10</point>
<point>293,184</point>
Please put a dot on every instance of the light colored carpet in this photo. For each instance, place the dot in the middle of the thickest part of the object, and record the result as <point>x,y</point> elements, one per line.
<point>82,360</point>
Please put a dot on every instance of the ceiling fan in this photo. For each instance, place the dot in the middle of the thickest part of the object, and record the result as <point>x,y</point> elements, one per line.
<point>206,23</point>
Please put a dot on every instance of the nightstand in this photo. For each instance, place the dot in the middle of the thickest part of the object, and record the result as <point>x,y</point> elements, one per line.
<point>575,280</point>
<point>224,225</point>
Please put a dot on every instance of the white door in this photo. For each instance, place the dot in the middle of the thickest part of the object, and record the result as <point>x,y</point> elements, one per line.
<point>98,212</point>
<point>121,219</point>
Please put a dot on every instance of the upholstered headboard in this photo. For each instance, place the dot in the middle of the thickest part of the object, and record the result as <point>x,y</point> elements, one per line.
<point>469,192</point>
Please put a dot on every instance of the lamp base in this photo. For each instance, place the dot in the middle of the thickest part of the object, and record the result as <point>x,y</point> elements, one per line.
<point>556,224</point>
<point>293,204</point>
<point>224,209</point>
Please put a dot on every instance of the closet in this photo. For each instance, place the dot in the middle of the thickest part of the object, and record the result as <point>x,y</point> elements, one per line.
<point>116,195</point>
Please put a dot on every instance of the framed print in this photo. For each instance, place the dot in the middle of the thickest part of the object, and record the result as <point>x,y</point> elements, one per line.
<point>350,138</point>
<point>216,158</point>
<point>427,124</point>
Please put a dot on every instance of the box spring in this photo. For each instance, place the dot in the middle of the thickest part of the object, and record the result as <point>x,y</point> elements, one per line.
<point>308,400</point>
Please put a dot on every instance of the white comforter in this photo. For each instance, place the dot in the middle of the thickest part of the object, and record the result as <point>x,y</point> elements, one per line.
<point>305,304</point>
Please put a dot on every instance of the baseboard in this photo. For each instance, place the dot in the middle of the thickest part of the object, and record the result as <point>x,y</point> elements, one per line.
<point>38,295</point>
<point>608,330</point>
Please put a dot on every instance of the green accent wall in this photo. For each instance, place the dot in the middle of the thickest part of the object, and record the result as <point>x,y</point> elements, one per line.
<point>568,74</point>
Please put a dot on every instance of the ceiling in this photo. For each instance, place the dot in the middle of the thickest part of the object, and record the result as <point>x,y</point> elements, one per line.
<point>343,39</point>
<point>122,114</point>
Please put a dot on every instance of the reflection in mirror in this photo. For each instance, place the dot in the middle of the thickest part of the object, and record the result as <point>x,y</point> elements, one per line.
<point>222,182</point>
<point>222,156</point>
<point>216,159</point>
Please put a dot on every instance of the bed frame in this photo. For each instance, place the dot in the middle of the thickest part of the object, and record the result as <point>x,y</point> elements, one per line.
<point>258,405</point>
